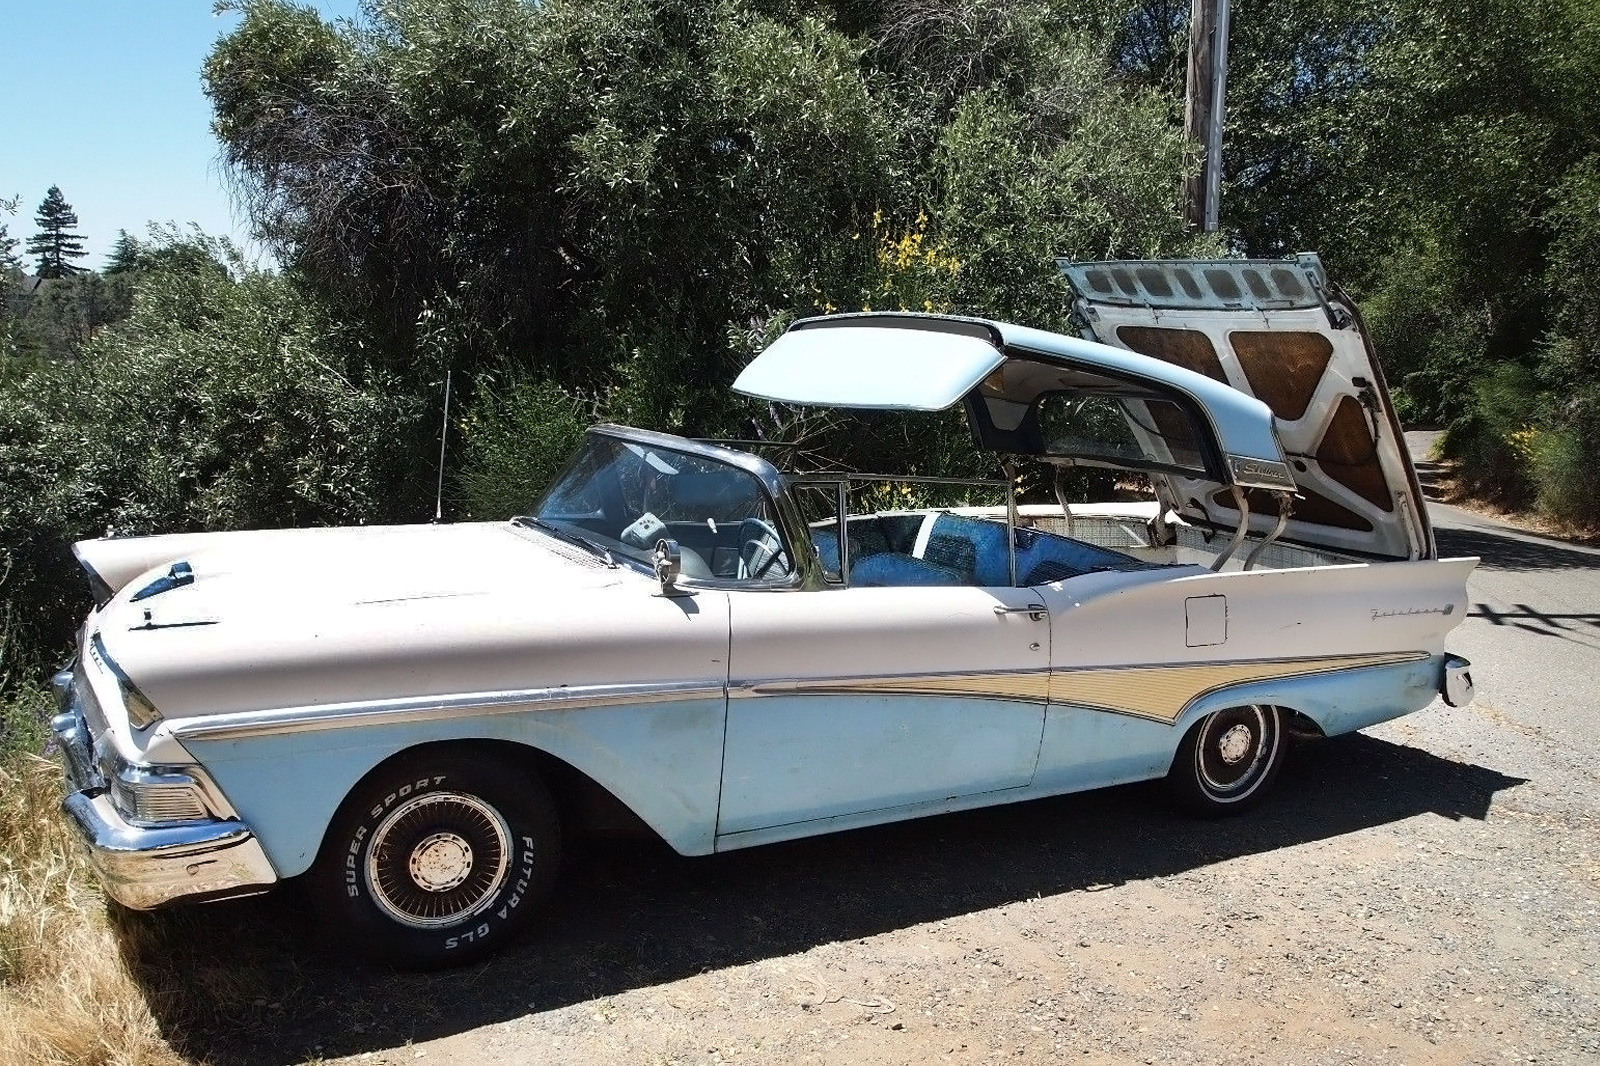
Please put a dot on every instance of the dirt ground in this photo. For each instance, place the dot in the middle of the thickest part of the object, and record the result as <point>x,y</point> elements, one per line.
<point>1429,893</point>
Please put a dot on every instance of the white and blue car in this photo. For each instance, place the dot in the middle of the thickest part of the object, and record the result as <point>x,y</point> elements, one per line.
<point>412,718</point>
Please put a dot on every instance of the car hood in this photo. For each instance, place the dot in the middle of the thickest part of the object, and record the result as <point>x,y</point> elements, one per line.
<point>1279,331</point>
<point>324,615</point>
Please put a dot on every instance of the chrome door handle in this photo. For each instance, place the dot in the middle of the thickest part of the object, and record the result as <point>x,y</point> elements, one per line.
<point>1034,611</point>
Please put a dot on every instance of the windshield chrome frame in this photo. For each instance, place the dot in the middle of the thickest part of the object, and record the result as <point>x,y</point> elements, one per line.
<point>806,571</point>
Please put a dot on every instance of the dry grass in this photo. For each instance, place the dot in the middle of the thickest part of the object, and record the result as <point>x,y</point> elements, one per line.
<point>67,993</point>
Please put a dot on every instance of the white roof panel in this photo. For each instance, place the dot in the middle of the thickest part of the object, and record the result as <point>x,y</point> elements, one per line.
<point>870,367</point>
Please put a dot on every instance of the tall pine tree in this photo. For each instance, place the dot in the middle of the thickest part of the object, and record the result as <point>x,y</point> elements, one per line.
<point>8,259</point>
<point>126,254</point>
<point>56,244</point>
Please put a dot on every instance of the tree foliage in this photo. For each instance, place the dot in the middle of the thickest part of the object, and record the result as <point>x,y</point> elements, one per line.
<point>223,400</point>
<point>8,244</point>
<point>561,185</point>
<point>623,198</point>
<point>56,244</point>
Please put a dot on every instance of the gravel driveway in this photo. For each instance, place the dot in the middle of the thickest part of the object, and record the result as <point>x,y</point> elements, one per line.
<point>1424,892</point>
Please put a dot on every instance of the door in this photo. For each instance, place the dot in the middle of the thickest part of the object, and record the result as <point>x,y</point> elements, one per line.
<point>851,700</point>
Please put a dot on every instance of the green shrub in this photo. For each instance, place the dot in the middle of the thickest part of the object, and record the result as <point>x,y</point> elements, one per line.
<point>221,402</point>
<point>516,437</point>
<point>1565,464</point>
<point>1494,439</point>
<point>1565,467</point>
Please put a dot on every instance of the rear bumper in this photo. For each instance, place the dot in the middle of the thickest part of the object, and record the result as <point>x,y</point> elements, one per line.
<point>1457,688</point>
<point>148,866</point>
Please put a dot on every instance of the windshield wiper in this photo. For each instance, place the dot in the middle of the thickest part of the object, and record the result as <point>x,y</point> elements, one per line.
<point>569,536</point>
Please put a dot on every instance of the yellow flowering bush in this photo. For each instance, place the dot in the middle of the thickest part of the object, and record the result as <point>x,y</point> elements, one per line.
<point>911,269</point>
<point>1524,444</point>
<point>914,270</point>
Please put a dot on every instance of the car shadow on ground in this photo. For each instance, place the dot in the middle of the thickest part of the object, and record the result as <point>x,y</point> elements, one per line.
<point>254,981</point>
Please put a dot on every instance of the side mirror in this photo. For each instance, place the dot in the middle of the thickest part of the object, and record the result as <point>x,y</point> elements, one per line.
<point>668,565</point>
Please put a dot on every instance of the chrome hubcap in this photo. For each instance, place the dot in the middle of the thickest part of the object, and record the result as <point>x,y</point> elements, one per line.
<point>441,862</point>
<point>438,859</point>
<point>1235,744</point>
<point>1235,750</point>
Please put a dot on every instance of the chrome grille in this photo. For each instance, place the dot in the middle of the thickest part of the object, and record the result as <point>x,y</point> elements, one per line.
<point>94,716</point>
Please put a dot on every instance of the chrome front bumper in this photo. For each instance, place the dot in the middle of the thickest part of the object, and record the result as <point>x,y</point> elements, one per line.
<point>145,867</point>
<point>148,866</point>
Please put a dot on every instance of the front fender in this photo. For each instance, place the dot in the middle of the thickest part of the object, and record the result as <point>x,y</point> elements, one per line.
<point>662,760</point>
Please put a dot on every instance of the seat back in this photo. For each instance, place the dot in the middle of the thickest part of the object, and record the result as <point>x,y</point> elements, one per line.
<point>892,569</point>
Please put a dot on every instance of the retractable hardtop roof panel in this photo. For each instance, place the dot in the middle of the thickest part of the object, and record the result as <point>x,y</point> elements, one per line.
<point>1012,379</point>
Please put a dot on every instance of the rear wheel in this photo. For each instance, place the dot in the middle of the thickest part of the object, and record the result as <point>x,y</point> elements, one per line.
<point>438,860</point>
<point>1228,760</point>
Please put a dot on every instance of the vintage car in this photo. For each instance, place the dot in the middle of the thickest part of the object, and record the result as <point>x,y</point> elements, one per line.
<point>411,718</point>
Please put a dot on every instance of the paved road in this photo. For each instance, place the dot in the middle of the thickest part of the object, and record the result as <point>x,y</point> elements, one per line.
<point>1535,619</point>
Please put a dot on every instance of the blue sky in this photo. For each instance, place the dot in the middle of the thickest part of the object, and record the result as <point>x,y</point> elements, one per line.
<point>102,97</point>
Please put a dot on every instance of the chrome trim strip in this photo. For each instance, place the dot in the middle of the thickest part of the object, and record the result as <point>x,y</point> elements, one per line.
<point>1158,692</point>
<point>1034,685</point>
<point>414,709</point>
<point>1020,686</point>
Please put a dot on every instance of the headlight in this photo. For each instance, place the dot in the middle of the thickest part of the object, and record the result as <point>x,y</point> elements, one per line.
<point>141,712</point>
<point>146,797</point>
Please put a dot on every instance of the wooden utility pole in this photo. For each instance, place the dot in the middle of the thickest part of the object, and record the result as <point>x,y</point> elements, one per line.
<point>1202,116</point>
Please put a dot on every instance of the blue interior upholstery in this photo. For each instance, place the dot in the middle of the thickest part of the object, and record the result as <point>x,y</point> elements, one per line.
<point>868,536</point>
<point>960,550</point>
<point>895,569</point>
<point>1041,556</point>
<point>984,543</point>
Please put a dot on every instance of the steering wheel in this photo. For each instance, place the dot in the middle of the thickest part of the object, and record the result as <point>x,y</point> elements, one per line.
<point>763,549</point>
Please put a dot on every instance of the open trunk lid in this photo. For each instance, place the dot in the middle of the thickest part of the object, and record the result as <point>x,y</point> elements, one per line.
<point>1279,331</point>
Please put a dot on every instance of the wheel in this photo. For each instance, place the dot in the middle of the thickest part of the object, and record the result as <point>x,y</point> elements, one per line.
<point>1228,760</point>
<point>437,860</point>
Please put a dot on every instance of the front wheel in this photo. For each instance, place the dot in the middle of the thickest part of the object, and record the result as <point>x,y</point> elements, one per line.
<point>437,860</point>
<point>1228,760</point>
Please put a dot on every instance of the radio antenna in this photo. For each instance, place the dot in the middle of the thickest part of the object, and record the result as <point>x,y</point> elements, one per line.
<point>444,433</point>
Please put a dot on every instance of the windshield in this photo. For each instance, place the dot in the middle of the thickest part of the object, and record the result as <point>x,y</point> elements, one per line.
<point>622,497</point>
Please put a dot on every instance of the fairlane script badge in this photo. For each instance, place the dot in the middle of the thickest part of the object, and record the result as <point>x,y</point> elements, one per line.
<point>1447,609</point>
